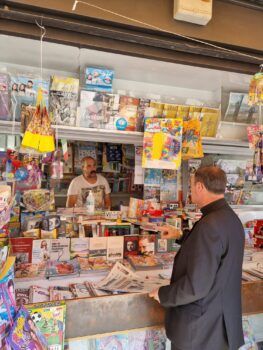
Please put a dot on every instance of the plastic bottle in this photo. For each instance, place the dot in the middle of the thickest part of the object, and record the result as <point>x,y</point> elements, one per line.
<point>90,203</point>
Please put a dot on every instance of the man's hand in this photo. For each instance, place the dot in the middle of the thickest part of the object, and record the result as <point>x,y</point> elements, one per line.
<point>169,231</point>
<point>154,294</point>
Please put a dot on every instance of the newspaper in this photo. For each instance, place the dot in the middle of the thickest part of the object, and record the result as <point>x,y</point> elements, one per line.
<point>122,279</point>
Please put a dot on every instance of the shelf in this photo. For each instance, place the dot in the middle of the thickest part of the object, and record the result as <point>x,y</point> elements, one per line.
<point>210,144</point>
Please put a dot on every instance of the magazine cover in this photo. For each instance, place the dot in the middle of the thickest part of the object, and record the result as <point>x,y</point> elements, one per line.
<point>143,262</point>
<point>152,177</point>
<point>168,189</point>
<point>147,244</point>
<point>191,140</point>
<point>24,93</point>
<point>144,104</point>
<point>63,100</point>
<point>162,143</point>
<point>60,293</point>
<point>29,270</point>
<point>128,113</point>
<point>62,268</point>
<point>118,342</point>
<point>115,248</point>
<point>22,296</point>
<point>97,108</point>
<point>21,248</point>
<point>170,110</point>
<point>60,249</point>
<point>79,247</point>
<point>49,318</point>
<point>5,113</point>
<point>98,79</point>
<point>38,294</point>
<point>41,250</point>
<point>24,334</point>
<point>79,290</point>
<point>84,265</point>
<point>98,247</point>
<point>131,244</point>
<point>7,297</point>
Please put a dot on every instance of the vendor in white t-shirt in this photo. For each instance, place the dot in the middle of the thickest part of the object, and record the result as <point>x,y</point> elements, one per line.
<point>80,186</point>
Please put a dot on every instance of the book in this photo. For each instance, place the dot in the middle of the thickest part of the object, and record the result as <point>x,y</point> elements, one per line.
<point>41,250</point>
<point>115,248</point>
<point>60,293</point>
<point>161,245</point>
<point>49,318</point>
<point>60,249</point>
<point>131,244</point>
<point>38,294</point>
<point>4,97</point>
<point>22,296</point>
<point>98,247</point>
<point>24,334</point>
<point>147,244</point>
<point>143,262</point>
<point>62,268</point>
<point>21,248</point>
<point>63,100</point>
<point>30,271</point>
<point>79,247</point>
<point>79,290</point>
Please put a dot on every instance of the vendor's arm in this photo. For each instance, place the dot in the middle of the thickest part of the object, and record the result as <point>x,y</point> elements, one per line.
<point>203,264</point>
<point>72,195</point>
<point>107,201</point>
<point>71,201</point>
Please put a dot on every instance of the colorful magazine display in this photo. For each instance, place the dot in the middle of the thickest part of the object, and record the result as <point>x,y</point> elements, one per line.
<point>49,318</point>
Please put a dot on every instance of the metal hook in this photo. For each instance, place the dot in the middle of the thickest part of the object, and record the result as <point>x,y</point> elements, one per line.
<point>43,29</point>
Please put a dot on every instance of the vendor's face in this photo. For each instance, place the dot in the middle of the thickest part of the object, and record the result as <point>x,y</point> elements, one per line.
<point>89,168</point>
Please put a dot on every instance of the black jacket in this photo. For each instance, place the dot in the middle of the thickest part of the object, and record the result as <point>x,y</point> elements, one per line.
<point>203,301</point>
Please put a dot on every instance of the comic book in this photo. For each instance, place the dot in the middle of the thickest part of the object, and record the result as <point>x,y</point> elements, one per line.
<point>49,318</point>
<point>162,143</point>
<point>63,100</point>
<point>24,334</point>
<point>98,79</point>
<point>4,97</point>
<point>170,110</point>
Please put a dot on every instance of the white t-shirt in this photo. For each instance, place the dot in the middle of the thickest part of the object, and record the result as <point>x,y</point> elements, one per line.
<point>80,187</point>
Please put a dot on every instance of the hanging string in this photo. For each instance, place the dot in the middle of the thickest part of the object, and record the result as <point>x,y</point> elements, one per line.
<point>43,33</point>
<point>162,30</point>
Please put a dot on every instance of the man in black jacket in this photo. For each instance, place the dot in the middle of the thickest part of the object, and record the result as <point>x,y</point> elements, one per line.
<point>203,301</point>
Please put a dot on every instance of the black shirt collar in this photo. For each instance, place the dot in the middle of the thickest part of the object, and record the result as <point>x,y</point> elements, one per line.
<point>213,206</point>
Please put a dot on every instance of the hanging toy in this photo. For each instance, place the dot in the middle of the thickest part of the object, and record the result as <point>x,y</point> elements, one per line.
<point>255,95</point>
<point>39,134</point>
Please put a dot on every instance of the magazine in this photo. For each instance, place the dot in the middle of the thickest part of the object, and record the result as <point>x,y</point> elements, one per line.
<point>60,249</point>
<point>131,244</point>
<point>22,296</point>
<point>143,262</point>
<point>21,248</point>
<point>98,247</point>
<point>168,189</point>
<point>63,100</point>
<point>60,293</point>
<point>79,247</point>
<point>50,320</point>
<point>127,115</point>
<point>191,140</point>
<point>38,294</point>
<point>98,79</point>
<point>28,270</point>
<point>79,290</point>
<point>41,250</point>
<point>24,334</point>
<point>62,268</point>
<point>115,248</point>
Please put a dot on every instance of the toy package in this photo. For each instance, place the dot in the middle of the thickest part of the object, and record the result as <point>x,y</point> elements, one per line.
<point>162,143</point>
<point>191,143</point>
<point>24,334</point>
<point>63,100</point>
<point>49,318</point>
<point>98,79</point>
